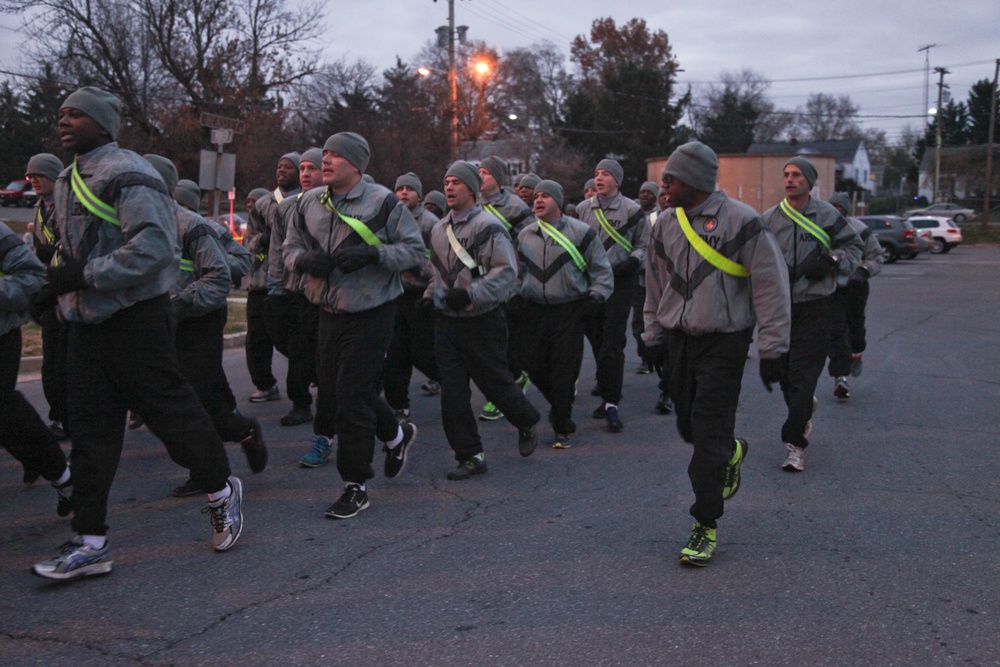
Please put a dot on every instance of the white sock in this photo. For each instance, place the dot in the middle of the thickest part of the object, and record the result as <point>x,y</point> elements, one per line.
<point>398,439</point>
<point>350,484</point>
<point>610,405</point>
<point>220,495</point>
<point>63,478</point>
<point>95,541</point>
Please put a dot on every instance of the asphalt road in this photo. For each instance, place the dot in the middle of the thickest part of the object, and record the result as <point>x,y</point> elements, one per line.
<point>883,552</point>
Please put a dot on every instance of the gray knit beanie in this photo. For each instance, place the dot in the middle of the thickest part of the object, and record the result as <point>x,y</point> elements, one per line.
<point>591,184</point>
<point>165,168</point>
<point>530,181</point>
<point>188,194</point>
<point>350,146</point>
<point>292,157</point>
<point>411,179</point>
<point>808,168</point>
<point>44,164</point>
<point>650,186</point>
<point>257,193</point>
<point>468,174</point>
<point>497,167</point>
<point>694,164</point>
<point>437,198</point>
<point>517,181</point>
<point>613,168</point>
<point>552,189</point>
<point>842,200</point>
<point>313,156</point>
<point>102,106</point>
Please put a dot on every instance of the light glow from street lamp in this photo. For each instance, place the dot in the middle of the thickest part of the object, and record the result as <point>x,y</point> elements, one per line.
<point>482,67</point>
<point>423,71</point>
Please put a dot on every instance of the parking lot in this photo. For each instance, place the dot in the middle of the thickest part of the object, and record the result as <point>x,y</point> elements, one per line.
<point>883,552</point>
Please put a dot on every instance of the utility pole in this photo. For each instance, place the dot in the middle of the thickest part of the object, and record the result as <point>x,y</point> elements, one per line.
<point>927,73</point>
<point>937,150</point>
<point>989,147</point>
<point>452,73</point>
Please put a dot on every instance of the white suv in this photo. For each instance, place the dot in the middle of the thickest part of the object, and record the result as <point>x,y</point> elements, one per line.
<point>945,234</point>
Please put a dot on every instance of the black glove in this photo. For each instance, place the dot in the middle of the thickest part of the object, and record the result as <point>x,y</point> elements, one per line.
<point>67,276</point>
<point>263,243</point>
<point>819,267</point>
<point>859,276</point>
<point>593,305</point>
<point>626,268</point>
<point>457,298</point>
<point>42,301</point>
<point>655,355</point>
<point>45,252</point>
<point>424,304</point>
<point>356,257</point>
<point>316,263</point>
<point>772,370</point>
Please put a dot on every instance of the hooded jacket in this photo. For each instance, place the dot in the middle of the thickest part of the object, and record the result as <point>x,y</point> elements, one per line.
<point>257,240</point>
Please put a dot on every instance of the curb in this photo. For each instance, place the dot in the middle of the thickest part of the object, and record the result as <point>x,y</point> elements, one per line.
<point>229,341</point>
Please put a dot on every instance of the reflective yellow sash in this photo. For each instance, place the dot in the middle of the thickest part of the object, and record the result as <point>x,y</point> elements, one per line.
<point>493,209</point>
<point>711,255</point>
<point>609,228</point>
<point>805,223</point>
<point>90,200</point>
<point>567,245</point>
<point>358,226</point>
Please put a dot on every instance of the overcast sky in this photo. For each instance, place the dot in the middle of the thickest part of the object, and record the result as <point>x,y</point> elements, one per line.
<point>867,49</point>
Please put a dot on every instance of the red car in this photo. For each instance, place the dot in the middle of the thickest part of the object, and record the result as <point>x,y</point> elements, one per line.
<point>18,193</point>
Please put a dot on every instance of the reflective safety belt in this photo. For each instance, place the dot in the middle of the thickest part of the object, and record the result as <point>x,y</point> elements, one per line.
<point>711,255</point>
<point>493,209</point>
<point>805,223</point>
<point>187,265</point>
<point>90,200</point>
<point>461,252</point>
<point>609,228</point>
<point>358,226</point>
<point>567,245</point>
<point>49,235</point>
<point>278,196</point>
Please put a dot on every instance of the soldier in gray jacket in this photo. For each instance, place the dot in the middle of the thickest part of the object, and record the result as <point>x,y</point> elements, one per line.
<point>564,271</point>
<point>623,230</point>
<point>22,431</point>
<point>473,271</point>
<point>706,288</point>
<point>200,302</point>
<point>847,314</point>
<point>353,239</point>
<point>118,261</point>
<point>818,246</point>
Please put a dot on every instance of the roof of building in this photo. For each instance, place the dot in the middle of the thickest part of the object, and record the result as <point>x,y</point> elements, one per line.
<point>842,149</point>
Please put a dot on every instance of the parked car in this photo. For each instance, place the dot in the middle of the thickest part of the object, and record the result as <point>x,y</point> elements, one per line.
<point>952,211</point>
<point>944,234</point>
<point>897,237</point>
<point>18,193</point>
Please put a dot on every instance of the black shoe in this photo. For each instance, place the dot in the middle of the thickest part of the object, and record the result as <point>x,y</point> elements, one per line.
<point>134,421</point>
<point>664,405</point>
<point>353,501</point>
<point>466,469</point>
<point>527,440</point>
<point>254,447</point>
<point>614,421</point>
<point>599,412</point>
<point>402,416</point>
<point>300,414</point>
<point>188,488</point>
<point>395,458</point>
<point>57,431</point>
<point>64,506</point>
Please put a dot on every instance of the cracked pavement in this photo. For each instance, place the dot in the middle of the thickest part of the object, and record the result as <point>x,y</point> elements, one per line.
<point>884,551</point>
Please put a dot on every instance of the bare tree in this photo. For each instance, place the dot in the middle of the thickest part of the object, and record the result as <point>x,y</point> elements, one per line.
<point>827,117</point>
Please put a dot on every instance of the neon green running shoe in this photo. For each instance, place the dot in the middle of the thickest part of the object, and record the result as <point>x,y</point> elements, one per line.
<point>731,483</point>
<point>490,413</point>
<point>701,547</point>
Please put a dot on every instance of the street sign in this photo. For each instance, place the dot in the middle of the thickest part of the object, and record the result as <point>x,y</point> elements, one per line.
<point>223,123</point>
<point>217,171</point>
<point>222,136</point>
